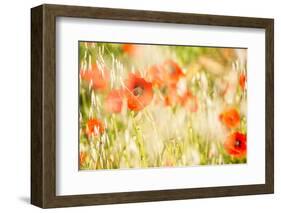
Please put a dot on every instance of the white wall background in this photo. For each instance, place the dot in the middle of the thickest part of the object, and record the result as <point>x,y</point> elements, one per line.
<point>15,105</point>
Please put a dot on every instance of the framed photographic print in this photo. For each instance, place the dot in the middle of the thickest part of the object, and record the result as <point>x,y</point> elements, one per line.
<point>135,106</point>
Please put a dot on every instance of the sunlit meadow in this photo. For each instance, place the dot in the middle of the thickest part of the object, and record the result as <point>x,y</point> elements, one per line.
<point>144,106</point>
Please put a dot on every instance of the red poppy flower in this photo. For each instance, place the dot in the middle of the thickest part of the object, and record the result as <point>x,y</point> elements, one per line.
<point>98,77</point>
<point>94,127</point>
<point>156,75</point>
<point>131,49</point>
<point>230,118</point>
<point>242,80</point>
<point>138,91</point>
<point>113,101</point>
<point>173,71</point>
<point>236,145</point>
<point>189,101</point>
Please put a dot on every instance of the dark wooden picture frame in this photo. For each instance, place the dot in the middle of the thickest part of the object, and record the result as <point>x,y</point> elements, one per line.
<point>43,105</point>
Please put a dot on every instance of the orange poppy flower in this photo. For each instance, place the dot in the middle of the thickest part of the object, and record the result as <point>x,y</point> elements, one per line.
<point>139,92</point>
<point>242,80</point>
<point>171,97</point>
<point>113,101</point>
<point>236,145</point>
<point>173,71</point>
<point>99,78</point>
<point>132,50</point>
<point>94,127</point>
<point>230,118</point>
<point>156,75</point>
<point>189,101</point>
<point>168,101</point>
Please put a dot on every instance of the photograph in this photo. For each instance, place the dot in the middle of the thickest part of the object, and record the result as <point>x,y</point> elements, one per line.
<point>140,105</point>
<point>159,105</point>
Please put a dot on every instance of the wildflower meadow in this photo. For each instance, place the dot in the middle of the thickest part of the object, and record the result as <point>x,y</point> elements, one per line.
<point>146,105</point>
